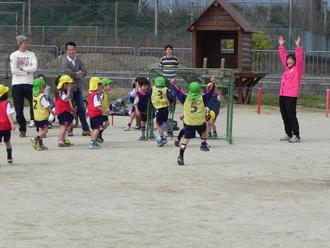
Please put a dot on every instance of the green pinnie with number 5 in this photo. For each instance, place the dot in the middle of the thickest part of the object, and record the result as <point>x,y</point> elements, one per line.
<point>194,109</point>
<point>161,97</point>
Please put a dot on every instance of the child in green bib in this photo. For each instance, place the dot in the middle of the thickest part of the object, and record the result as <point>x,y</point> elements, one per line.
<point>194,108</point>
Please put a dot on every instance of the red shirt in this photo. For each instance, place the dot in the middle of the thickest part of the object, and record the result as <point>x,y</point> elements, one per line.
<point>92,110</point>
<point>60,105</point>
<point>4,120</point>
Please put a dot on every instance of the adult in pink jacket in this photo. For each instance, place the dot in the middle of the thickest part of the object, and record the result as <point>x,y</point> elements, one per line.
<point>290,85</point>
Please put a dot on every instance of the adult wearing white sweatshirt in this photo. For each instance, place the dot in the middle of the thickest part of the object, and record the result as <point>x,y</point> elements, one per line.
<point>23,64</point>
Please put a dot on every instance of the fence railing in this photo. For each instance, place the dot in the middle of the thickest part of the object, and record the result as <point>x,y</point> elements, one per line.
<point>129,60</point>
<point>149,57</point>
<point>47,57</point>
<point>317,63</point>
<point>104,59</point>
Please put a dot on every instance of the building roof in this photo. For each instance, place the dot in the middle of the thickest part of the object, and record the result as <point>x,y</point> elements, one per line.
<point>237,17</point>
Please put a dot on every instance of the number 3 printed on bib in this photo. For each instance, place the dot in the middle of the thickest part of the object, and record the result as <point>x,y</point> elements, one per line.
<point>160,94</point>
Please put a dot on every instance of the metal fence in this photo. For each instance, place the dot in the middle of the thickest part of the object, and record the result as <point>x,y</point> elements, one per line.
<point>127,61</point>
<point>317,63</point>
<point>47,57</point>
<point>104,59</point>
<point>149,57</point>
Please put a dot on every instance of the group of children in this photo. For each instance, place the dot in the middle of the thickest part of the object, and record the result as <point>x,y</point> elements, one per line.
<point>196,116</point>
<point>200,110</point>
<point>98,110</point>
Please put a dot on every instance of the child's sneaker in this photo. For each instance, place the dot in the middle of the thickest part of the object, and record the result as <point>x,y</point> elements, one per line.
<point>63,145</point>
<point>34,143</point>
<point>177,143</point>
<point>42,148</point>
<point>32,123</point>
<point>69,142</point>
<point>162,142</point>
<point>142,138</point>
<point>205,147</point>
<point>99,140</point>
<point>137,128</point>
<point>294,139</point>
<point>94,145</point>
<point>10,160</point>
<point>127,129</point>
<point>180,160</point>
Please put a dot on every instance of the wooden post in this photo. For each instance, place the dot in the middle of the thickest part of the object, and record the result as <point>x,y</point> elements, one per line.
<point>259,100</point>
<point>205,62</point>
<point>327,103</point>
<point>222,63</point>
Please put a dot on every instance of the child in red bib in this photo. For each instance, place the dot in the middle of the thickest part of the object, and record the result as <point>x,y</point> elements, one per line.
<point>6,121</point>
<point>63,109</point>
<point>95,111</point>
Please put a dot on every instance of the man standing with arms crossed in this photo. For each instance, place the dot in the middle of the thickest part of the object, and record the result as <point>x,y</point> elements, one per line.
<point>23,64</point>
<point>74,67</point>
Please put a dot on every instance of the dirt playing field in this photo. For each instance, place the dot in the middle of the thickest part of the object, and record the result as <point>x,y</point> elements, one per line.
<point>258,192</point>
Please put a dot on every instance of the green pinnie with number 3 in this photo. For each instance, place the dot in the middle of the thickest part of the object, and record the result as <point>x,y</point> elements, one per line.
<point>161,97</point>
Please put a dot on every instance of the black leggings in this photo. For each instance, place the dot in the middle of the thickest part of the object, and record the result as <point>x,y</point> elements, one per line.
<point>289,115</point>
<point>20,92</point>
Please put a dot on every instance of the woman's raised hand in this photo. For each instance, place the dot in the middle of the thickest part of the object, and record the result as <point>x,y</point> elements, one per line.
<point>298,41</point>
<point>281,40</point>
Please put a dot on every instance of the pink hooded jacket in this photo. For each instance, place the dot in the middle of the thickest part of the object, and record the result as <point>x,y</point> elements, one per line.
<point>290,83</point>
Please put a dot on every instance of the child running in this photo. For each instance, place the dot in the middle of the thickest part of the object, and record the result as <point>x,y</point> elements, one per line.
<point>161,98</point>
<point>95,110</point>
<point>141,104</point>
<point>194,115</point>
<point>106,83</point>
<point>6,121</point>
<point>51,118</point>
<point>41,111</point>
<point>64,109</point>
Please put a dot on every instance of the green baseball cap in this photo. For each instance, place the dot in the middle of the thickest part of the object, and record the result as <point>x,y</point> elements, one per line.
<point>106,81</point>
<point>160,81</point>
<point>194,90</point>
<point>37,84</point>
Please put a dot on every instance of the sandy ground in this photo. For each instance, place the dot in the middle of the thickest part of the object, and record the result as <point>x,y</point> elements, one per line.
<point>258,192</point>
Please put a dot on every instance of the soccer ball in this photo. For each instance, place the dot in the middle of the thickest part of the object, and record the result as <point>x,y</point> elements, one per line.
<point>158,139</point>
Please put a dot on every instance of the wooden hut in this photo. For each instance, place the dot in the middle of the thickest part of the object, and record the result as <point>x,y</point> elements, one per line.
<point>221,32</point>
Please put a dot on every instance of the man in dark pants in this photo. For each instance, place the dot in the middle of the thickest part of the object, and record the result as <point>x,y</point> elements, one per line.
<point>23,64</point>
<point>74,67</point>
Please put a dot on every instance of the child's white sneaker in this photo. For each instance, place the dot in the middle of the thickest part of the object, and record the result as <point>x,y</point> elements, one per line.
<point>294,139</point>
<point>32,123</point>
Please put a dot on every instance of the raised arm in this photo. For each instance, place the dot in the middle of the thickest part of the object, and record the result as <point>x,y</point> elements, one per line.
<point>299,51</point>
<point>178,92</point>
<point>282,50</point>
<point>210,91</point>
